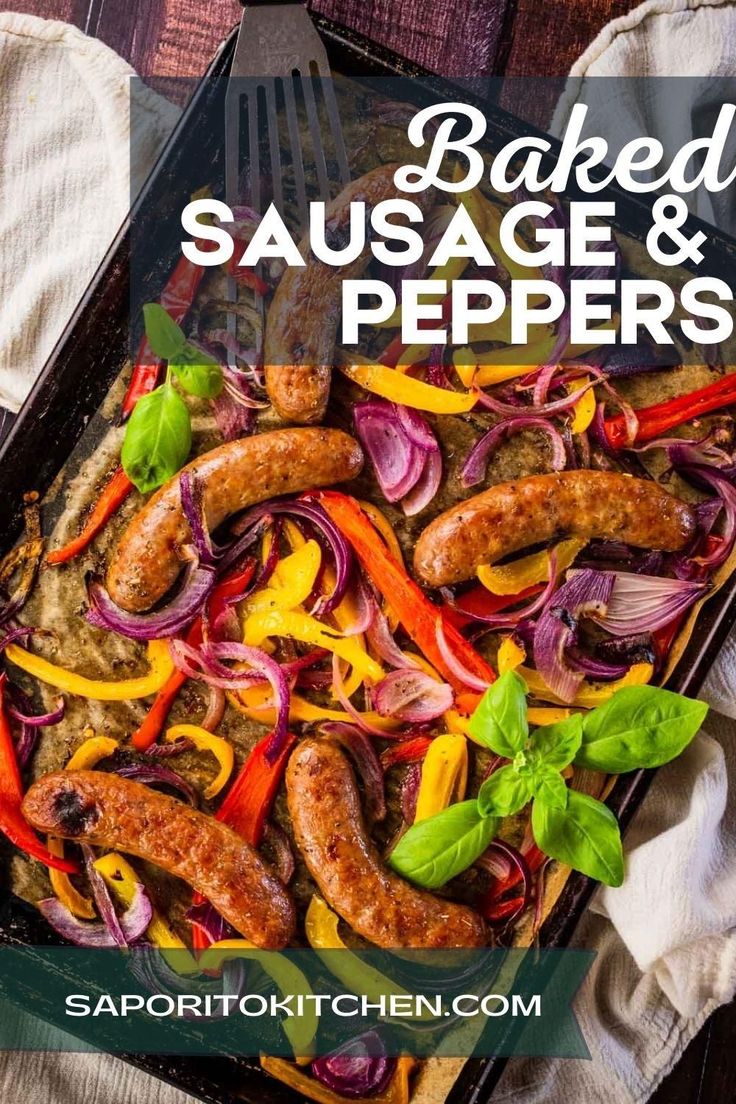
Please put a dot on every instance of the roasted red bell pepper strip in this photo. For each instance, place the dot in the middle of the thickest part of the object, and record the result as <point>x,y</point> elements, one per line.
<point>248,803</point>
<point>408,751</point>
<point>416,612</point>
<point>113,495</point>
<point>150,729</point>
<point>251,795</point>
<point>245,276</point>
<point>12,823</point>
<point>662,417</point>
<point>478,601</point>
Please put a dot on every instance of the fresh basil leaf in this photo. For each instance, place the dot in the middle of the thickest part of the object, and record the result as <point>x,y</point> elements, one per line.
<point>499,720</point>
<point>558,743</point>
<point>157,438</point>
<point>549,786</point>
<point>504,793</point>
<point>584,835</point>
<point>639,726</point>
<point>435,850</point>
<point>165,337</point>
<point>197,372</point>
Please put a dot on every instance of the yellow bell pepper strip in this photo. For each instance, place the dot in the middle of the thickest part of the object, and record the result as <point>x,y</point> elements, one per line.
<point>292,581</point>
<point>384,527</point>
<point>256,703</point>
<point>396,1092</point>
<point>511,657</point>
<point>346,615</point>
<point>122,879</point>
<point>536,715</point>
<point>444,775</point>
<point>417,613</point>
<point>160,668</point>
<point>451,270</point>
<point>86,757</point>
<point>299,1030</point>
<point>514,577</point>
<point>465,363</point>
<point>92,751</point>
<point>68,894</point>
<point>504,363</point>
<point>12,822</point>
<point>584,409</point>
<point>301,626</point>
<point>207,741</point>
<point>321,930</point>
<point>399,388</point>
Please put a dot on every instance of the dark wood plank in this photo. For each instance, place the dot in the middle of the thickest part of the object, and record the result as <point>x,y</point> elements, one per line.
<point>547,41</point>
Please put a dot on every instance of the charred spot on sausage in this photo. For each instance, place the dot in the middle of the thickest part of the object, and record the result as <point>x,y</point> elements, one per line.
<point>73,814</point>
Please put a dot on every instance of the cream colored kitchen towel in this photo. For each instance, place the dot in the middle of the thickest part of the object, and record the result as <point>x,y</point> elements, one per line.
<point>64,181</point>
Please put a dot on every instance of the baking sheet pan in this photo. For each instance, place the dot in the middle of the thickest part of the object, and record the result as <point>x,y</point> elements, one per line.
<point>87,360</point>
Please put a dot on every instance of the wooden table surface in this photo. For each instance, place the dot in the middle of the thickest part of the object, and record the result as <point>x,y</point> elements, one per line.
<point>177,38</point>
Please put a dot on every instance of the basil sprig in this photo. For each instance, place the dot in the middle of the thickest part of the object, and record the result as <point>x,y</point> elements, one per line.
<point>159,432</point>
<point>639,726</point>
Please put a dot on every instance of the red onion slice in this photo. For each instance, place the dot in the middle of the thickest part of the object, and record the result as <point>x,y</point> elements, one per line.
<point>367,764</point>
<point>103,900</point>
<point>645,603</point>
<point>86,933</point>
<point>412,695</point>
<point>456,667</point>
<point>176,615</point>
<point>396,459</point>
<point>476,463</point>
<point>384,645</point>
<point>323,527</point>
<point>191,492</point>
<point>586,593</point>
<point>358,1068</point>
<point>35,720</point>
<point>426,486</point>
<point>158,775</point>
<point>559,406</point>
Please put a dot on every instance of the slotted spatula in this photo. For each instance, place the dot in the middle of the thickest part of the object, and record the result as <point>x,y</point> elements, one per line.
<point>279,57</point>
<point>279,60</point>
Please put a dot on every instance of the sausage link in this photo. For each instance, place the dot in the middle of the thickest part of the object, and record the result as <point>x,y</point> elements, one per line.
<point>146,562</point>
<point>325,812</point>
<point>109,811</point>
<point>515,515</point>
<point>302,319</point>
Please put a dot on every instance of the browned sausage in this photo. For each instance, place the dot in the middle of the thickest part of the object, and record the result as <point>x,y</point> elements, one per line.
<point>325,812</point>
<point>302,320</point>
<point>109,811</point>
<point>146,562</point>
<point>514,515</point>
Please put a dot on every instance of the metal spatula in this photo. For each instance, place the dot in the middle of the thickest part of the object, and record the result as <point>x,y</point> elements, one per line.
<point>279,67</point>
<point>280,60</point>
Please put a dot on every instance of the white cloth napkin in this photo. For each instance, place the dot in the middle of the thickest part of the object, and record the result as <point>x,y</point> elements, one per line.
<point>665,939</point>
<point>64,183</point>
